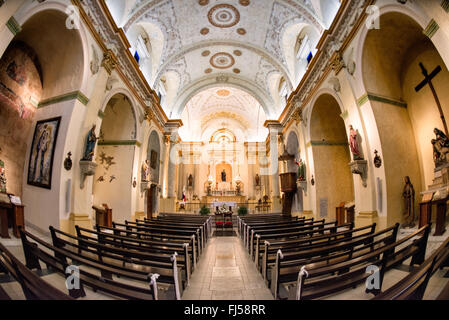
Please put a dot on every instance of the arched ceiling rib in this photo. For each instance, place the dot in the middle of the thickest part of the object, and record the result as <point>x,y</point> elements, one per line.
<point>239,40</point>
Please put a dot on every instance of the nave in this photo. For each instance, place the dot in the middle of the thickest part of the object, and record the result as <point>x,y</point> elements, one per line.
<point>230,265</point>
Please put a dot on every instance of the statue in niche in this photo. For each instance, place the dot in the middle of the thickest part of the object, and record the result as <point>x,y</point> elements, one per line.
<point>440,147</point>
<point>145,170</point>
<point>354,143</point>
<point>223,176</point>
<point>301,170</point>
<point>190,181</point>
<point>409,203</point>
<point>238,188</point>
<point>90,144</point>
<point>2,177</point>
<point>257,178</point>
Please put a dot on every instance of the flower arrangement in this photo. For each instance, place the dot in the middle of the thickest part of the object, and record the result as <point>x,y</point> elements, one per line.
<point>222,209</point>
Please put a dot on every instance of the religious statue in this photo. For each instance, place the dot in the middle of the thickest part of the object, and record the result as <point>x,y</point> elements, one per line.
<point>190,181</point>
<point>2,177</point>
<point>238,188</point>
<point>223,175</point>
<point>354,143</point>
<point>409,203</point>
<point>257,180</point>
<point>91,140</point>
<point>301,170</point>
<point>145,170</point>
<point>440,147</point>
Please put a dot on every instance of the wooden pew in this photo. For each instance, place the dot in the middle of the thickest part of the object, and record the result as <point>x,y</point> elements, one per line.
<point>260,237</point>
<point>38,251</point>
<point>127,233</point>
<point>316,281</point>
<point>167,267</point>
<point>247,227</point>
<point>33,287</point>
<point>205,223</point>
<point>176,226</point>
<point>300,225</point>
<point>243,221</point>
<point>269,254</point>
<point>413,286</point>
<point>163,233</point>
<point>145,246</point>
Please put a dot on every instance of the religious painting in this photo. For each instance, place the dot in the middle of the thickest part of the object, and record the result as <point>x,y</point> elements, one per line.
<point>153,159</point>
<point>42,153</point>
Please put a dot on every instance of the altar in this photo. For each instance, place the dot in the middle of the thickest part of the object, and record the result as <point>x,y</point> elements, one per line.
<point>233,201</point>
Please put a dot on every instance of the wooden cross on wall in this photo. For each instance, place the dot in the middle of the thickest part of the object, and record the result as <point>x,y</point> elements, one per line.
<point>428,81</point>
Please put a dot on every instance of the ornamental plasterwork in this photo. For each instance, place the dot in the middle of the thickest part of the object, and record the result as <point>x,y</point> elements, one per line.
<point>96,16</point>
<point>332,44</point>
<point>265,70</point>
<point>164,16</point>
<point>180,68</point>
<point>281,15</point>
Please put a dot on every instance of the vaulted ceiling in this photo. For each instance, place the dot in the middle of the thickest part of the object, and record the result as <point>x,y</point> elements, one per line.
<point>201,44</point>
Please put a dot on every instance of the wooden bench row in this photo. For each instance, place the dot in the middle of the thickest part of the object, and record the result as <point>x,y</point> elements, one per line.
<point>33,287</point>
<point>316,280</point>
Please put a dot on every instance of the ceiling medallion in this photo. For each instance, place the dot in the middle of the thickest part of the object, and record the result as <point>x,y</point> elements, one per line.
<point>223,16</point>
<point>236,70</point>
<point>205,53</point>
<point>208,70</point>
<point>241,31</point>
<point>238,53</point>
<point>244,2</point>
<point>204,31</point>
<point>203,2</point>
<point>222,60</point>
<point>223,93</point>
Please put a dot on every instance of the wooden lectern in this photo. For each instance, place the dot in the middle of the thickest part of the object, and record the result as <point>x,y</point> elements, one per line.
<point>103,216</point>
<point>425,210</point>
<point>440,226</point>
<point>340,214</point>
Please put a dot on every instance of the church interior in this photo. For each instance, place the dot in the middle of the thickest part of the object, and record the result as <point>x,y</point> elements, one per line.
<point>224,149</point>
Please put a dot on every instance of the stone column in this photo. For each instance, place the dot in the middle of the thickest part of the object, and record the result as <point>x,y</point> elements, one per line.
<point>275,129</point>
<point>172,127</point>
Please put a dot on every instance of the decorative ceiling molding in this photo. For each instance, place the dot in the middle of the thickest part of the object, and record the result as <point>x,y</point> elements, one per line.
<point>222,60</point>
<point>223,16</point>
<point>102,26</point>
<point>242,45</point>
<point>335,41</point>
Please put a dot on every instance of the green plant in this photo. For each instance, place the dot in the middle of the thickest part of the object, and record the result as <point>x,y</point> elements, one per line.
<point>243,211</point>
<point>205,211</point>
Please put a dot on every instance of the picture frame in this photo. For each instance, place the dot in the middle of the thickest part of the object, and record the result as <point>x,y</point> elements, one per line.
<point>153,159</point>
<point>42,152</point>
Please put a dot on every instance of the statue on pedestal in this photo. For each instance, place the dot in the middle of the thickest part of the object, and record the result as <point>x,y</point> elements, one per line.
<point>190,181</point>
<point>440,148</point>
<point>408,194</point>
<point>257,178</point>
<point>145,171</point>
<point>301,170</point>
<point>354,143</point>
<point>90,144</point>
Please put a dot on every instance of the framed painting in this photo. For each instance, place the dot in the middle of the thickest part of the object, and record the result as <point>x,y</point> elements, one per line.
<point>153,160</point>
<point>42,153</point>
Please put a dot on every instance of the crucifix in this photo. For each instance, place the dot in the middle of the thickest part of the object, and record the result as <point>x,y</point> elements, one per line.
<point>428,81</point>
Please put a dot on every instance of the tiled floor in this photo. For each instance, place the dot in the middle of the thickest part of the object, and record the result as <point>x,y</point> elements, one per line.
<point>225,272</point>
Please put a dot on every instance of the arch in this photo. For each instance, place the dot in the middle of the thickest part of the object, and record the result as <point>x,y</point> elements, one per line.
<point>404,118</point>
<point>334,181</point>
<point>115,156</point>
<point>231,81</point>
<point>76,38</point>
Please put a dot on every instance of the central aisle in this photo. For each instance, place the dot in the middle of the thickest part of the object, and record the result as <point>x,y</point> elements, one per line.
<point>225,272</point>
